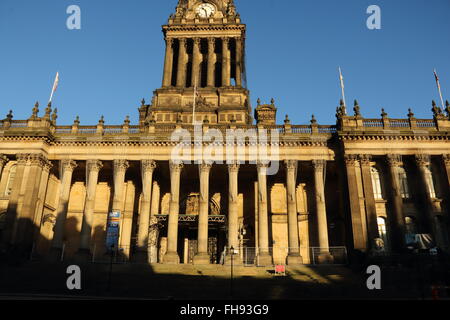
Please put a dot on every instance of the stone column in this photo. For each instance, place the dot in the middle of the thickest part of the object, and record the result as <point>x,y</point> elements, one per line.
<point>23,235</point>
<point>181,72</point>
<point>398,220</point>
<point>171,256</point>
<point>13,210</point>
<point>38,215</point>
<point>264,258</point>
<point>371,209</point>
<point>93,168</point>
<point>239,62</point>
<point>319,187</point>
<point>423,161</point>
<point>3,161</point>
<point>196,63</point>
<point>66,170</point>
<point>211,62</point>
<point>359,242</point>
<point>233,219</point>
<point>168,63</point>
<point>446,159</point>
<point>155,199</point>
<point>147,169</point>
<point>202,256</point>
<point>225,63</point>
<point>294,257</point>
<point>120,168</point>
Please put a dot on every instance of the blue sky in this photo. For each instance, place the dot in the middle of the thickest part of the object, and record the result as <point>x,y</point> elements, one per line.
<point>293,50</point>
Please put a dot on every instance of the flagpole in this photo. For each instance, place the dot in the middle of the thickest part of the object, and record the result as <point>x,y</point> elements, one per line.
<point>439,88</point>
<point>341,78</point>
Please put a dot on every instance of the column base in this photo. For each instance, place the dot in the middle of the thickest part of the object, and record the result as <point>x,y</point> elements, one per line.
<point>202,259</point>
<point>83,256</point>
<point>171,258</point>
<point>141,256</point>
<point>236,259</point>
<point>325,258</point>
<point>294,259</point>
<point>264,260</point>
<point>54,255</point>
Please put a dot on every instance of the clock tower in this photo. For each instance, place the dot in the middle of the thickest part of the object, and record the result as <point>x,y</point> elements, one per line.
<point>204,65</point>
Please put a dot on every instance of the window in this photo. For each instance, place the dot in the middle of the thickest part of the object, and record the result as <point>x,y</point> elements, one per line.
<point>376,183</point>
<point>403,183</point>
<point>430,182</point>
<point>9,183</point>
<point>382,230</point>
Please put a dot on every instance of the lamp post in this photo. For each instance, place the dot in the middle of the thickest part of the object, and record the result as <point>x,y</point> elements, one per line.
<point>231,280</point>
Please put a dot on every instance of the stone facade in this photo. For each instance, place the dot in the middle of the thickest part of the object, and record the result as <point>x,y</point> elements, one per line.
<point>364,184</point>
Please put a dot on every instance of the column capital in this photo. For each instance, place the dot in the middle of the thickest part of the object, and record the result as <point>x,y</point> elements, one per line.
<point>40,160</point>
<point>94,165</point>
<point>22,158</point>
<point>233,166</point>
<point>169,41</point>
<point>262,165</point>
<point>225,40</point>
<point>68,165</point>
<point>205,166</point>
<point>291,164</point>
<point>212,41</point>
<point>318,164</point>
<point>148,165</point>
<point>3,159</point>
<point>446,158</point>
<point>350,159</point>
<point>365,159</point>
<point>394,160</point>
<point>196,40</point>
<point>182,41</point>
<point>422,160</point>
<point>121,165</point>
<point>177,166</point>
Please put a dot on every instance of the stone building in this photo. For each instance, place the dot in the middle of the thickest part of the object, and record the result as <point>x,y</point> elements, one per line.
<point>372,185</point>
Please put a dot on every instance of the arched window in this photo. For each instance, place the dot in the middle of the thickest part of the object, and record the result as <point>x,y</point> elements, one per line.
<point>403,183</point>
<point>376,183</point>
<point>9,183</point>
<point>382,230</point>
<point>410,224</point>
<point>430,182</point>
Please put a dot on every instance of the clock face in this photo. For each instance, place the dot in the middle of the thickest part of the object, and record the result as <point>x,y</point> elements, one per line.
<point>206,10</point>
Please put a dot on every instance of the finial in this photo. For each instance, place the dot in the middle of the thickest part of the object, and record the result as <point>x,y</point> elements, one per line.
<point>102,120</point>
<point>143,102</point>
<point>356,108</point>
<point>286,120</point>
<point>9,116</point>
<point>433,103</point>
<point>313,119</point>
<point>55,114</point>
<point>437,111</point>
<point>48,110</point>
<point>36,109</point>
<point>383,113</point>
<point>341,102</point>
<point>258,101</point>
<point>76,121</point>
<point>126,121</point>
<point>410,113</point>
<point>272,101</point>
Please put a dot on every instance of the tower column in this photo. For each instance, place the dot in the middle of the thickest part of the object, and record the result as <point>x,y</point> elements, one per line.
<point>93,168</point>
<point>264,258</point>
<point>423,161</point>
<point>147,169</point>
<point>398,225</point>
<point>319,166</point>
<point>168,63</point>
<point>66,167</point>
<point>3,161</point>
<point>181,72</point>
<point>359,242</point>
<point>239,62</point>
<point>233,221</point>
<point>13,210</point>
<point>291,177</point>
<point>369,198</point>
<point>211,62</point>
<point>196,63</point>
<point>225,62</point>
<point>202,256</point>
<point>171,256</point>
<point>120,168</point>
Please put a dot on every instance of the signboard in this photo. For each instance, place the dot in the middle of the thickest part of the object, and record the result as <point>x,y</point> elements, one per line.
<point>113,230</point>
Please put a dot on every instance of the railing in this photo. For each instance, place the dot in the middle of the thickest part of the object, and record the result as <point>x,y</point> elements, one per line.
<point>373,123</point>
<point>425,123</point>
<point>301,129</point>
<point>399,123</point>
